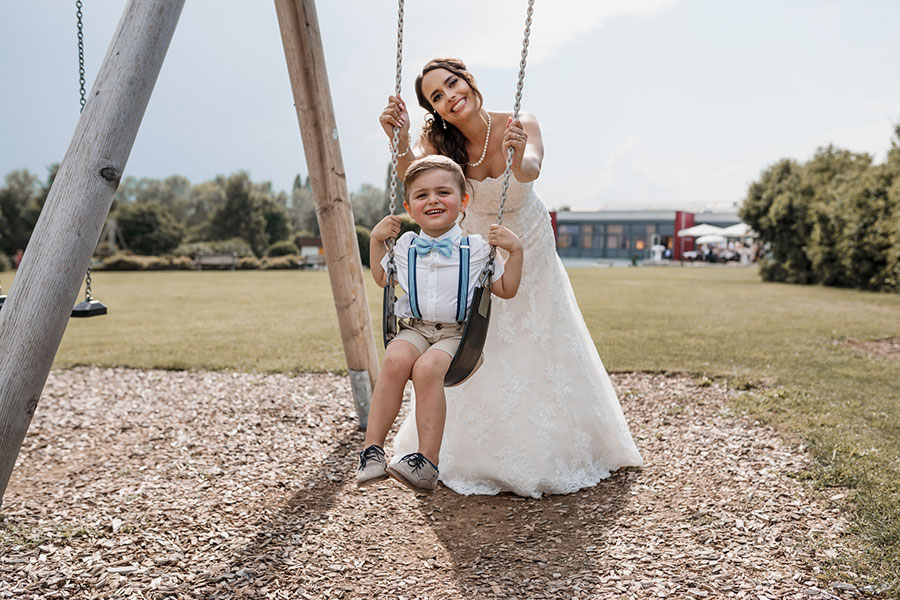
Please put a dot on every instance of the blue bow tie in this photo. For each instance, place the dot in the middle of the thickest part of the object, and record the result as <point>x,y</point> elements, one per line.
<point>423,247</point>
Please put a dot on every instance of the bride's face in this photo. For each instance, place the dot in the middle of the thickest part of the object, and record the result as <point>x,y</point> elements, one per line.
<point>450,95</point>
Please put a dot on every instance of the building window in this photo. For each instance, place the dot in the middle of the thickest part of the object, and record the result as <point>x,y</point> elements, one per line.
<point>642,235</point>
<point>614,236</point>
<point>599,241</point>
<point>567,236</point>
<point>587,236</point>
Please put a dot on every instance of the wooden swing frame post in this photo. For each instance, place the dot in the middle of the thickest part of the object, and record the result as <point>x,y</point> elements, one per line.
<point>40,300</point>
<point>299,25</point>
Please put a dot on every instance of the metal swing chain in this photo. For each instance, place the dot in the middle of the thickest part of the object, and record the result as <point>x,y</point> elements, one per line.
<point>79,15</point>
<point>510,151</point>
<point>82,101</point>
<point>395,142</point>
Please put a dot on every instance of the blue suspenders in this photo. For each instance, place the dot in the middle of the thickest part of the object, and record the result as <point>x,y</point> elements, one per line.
<point>462,291</point>
<point>411,280</point>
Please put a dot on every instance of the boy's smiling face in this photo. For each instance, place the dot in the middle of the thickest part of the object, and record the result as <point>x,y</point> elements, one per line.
<point>435,201</point>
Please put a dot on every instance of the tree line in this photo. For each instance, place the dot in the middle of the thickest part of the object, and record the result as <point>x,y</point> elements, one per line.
<point>230,213</point>
<point>834,219</point>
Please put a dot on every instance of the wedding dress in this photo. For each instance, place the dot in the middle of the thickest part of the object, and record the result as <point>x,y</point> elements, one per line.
<point>540,416</point>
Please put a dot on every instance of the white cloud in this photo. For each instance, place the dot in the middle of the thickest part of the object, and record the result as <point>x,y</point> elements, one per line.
<point>488,34</point>
<point>636,175</point>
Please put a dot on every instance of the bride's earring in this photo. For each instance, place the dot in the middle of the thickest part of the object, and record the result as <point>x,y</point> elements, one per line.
<point>444,123</point>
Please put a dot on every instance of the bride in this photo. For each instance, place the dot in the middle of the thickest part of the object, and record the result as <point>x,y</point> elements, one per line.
<point>540,416</point>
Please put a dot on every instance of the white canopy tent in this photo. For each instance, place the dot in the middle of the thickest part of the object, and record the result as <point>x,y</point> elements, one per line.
<point>700,230</point>
<point>711,238</point>
<point>739,230</point>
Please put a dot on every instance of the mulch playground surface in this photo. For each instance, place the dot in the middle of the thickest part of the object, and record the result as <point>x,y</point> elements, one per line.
<point>163,484</point>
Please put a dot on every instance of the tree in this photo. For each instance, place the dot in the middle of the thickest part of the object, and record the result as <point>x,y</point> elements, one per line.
<point>869,243</point>
<point>20,205</point>
<point>363,236</point>
<point>204,200</point>
<point>829,174</point>
<point>368,205</point>
<point>274,207</point>
<point>834,219</point>
<point>302,208</point>
<point>777,207</point>
<point>149,228</point>
<point>244,213</point>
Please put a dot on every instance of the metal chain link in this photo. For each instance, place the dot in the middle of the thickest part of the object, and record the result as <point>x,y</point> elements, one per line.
<point>510,151</point>
<point>87,286</point>
<point>395,142</point>
<point>79,14</point>
<point>82,101</point>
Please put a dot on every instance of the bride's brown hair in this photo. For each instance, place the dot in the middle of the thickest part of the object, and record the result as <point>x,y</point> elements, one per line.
<point>445,137</point>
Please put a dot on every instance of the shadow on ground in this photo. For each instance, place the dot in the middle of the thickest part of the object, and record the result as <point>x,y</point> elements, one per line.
<point>521,547</point>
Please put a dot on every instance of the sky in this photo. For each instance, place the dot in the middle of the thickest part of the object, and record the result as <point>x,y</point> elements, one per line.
<point>663,104</point>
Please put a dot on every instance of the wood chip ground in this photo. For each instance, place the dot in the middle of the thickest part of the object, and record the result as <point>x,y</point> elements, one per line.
<point>156,484</point>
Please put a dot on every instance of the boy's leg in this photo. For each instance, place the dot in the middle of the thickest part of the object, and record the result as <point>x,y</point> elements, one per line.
<point>396,369</point>
<point>431,405</point>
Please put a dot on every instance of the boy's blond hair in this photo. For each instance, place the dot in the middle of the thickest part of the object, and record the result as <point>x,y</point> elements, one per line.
<point>429,163</point>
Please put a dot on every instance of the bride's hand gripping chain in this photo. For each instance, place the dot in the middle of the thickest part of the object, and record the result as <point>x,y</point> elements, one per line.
<point>396,115</point>
<point>524,137</point>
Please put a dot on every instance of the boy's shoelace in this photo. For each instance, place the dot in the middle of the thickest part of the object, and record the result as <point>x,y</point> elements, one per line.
<point>370,453</point>
<point>416,461</point>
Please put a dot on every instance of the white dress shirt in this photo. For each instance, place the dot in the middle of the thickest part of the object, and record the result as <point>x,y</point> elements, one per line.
<point>437,276</point>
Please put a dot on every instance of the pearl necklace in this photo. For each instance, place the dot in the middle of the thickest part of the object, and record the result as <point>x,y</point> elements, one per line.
<point>486,138</point>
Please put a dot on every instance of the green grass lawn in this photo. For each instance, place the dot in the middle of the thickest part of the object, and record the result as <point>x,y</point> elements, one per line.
<point>784,344</point>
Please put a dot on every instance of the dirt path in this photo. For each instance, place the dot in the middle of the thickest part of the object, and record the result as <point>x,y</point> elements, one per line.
<point>135,484</point>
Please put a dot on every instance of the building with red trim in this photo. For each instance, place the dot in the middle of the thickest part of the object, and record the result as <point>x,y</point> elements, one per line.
<point>625,234</point>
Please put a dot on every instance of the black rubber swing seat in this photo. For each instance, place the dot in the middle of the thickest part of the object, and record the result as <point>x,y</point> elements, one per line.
<point>390,326</point>
<point>468,355</point>
<point>89,308</point>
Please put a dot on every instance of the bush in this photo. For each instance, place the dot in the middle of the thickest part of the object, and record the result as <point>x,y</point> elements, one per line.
<point>248,263</point>
<point>180,263</point>
<point>149,228</point>
<point>129,262</point>
<point>231,246</point>
<point>134,262</point>
<point>362,237</point>
<point>192,249</point>
<point>290,261</point>
<point>833,220</point>
<point>283,248</point>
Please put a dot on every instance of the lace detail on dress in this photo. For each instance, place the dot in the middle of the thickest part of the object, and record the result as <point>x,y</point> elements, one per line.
<point>540,416</point>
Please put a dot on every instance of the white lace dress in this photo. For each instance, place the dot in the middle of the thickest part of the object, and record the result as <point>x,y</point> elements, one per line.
<point>540,416</point>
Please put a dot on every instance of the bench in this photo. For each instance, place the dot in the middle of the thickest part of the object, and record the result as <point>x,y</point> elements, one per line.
<point>229,261</point>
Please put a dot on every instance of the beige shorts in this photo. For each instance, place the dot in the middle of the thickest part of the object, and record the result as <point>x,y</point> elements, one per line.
<point>425,335</point>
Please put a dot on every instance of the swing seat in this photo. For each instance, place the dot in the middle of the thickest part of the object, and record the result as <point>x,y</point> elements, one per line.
<point>389,321</point>
<point>89,308</point>
<point>468,356</point>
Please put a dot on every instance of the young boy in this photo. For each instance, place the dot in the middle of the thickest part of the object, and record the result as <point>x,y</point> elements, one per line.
<point>429,329</point>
